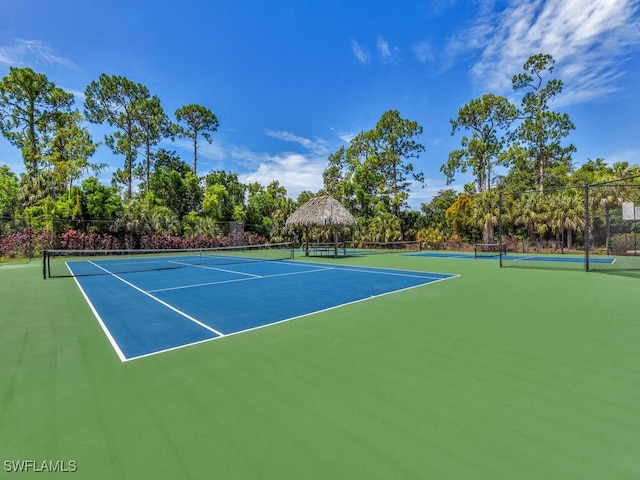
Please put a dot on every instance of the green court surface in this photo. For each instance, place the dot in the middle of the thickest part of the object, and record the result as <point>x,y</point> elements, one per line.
<point>496,374</point>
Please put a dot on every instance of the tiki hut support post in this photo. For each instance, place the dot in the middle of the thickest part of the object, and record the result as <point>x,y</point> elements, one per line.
<point>322,211</point>
<point>305,239</point>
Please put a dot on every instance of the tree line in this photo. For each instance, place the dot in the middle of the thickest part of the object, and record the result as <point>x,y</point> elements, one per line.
<point>515,148</point>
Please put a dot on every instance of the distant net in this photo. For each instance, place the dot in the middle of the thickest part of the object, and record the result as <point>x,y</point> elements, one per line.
<point>75,263</point>
<point>491,250</point>
<point>373,248</point>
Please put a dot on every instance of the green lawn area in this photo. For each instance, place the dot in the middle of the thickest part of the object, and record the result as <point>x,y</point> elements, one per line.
<point>499,373</point>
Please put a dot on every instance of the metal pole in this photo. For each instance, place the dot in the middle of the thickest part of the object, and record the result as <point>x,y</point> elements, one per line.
<point>586,227</point>
<point>500,224</point>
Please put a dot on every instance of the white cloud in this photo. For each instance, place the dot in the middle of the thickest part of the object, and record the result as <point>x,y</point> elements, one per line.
<point>79,95</point>
<point>424,52</point>
<point>361,54</point>
<point>419,194</point>
<point>588,40</point>
<point>294,171</point>
<point>630,156</point>
<point>347,136</point>
<point>25,53</point>
<point>317,146</point>
<point>212,151</point>
<point>385,51</point>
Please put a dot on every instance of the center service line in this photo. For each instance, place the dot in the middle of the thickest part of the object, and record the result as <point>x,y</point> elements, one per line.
<point>213,330</point>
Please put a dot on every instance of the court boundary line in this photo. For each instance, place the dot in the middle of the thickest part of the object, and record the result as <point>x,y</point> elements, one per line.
<point>207,267</point>
<point>170,307</point>
<point>106,330</point>
<point>233,280</point>
<point>323,267</point>
<point>367,268</point>
<point>391,272</point>
<point>259,327</point>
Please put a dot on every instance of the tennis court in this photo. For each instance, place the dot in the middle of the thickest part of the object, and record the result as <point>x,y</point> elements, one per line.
<point>515,257</point>
<point>154,305</point>
<point>497,374</point>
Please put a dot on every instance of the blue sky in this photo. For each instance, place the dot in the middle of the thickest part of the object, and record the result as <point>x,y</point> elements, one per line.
<point>293,80</point>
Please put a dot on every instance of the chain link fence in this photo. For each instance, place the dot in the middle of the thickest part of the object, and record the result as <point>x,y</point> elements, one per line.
<point>614,228</point>
<point>590,228</point>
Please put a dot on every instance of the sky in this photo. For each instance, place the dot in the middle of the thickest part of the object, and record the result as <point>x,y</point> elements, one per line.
<point>291,81</point>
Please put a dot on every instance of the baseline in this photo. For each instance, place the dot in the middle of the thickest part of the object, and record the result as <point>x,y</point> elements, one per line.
<point>126,317</point>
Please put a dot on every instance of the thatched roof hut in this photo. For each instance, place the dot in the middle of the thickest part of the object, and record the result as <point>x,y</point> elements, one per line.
<point>321,211</point>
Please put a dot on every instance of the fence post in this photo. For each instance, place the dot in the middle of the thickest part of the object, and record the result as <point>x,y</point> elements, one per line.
<point>586,227</point>
<point>500,224</point>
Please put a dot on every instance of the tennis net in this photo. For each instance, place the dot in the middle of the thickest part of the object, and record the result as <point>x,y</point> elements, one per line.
<point>489,250</point>
<point>74,263</point>
<point>372,248</point>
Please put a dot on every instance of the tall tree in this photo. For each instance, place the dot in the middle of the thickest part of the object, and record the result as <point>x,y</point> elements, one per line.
<point>387,147</point>
<point>263,203</point>
<point>458,215</point>
<point>174,184</point>
<point>29,106</point>
<point>374,169</point>
<point>488,118</point>
<point>435,211</point>
<point>592,171</point>
<point>155,126</point>
<point>225,187</point>
<point>119,102</point>
<point>70,149</point>
<point>351,182</point>
<point>102,203</point>
<point>200,122</point>
<point>542,130</point>
<point>8,192</point>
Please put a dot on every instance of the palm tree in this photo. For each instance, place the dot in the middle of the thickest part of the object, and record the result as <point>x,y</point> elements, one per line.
<point>485,213</point>
<point>604,199</point>
<point>385,227</point>
<point>567,213</point>
<point>543,222</point>
<point>609,202</point>
<point>525,213</point>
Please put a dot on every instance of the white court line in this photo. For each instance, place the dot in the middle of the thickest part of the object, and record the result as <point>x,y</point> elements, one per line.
<point>259,327</point>
<point>388,271</point>
<point>254,277</point>
<point>392,273</point>
<point>188,317</point>
<point>366,269</point>
<point>214,268</point>
<point>106,331</point>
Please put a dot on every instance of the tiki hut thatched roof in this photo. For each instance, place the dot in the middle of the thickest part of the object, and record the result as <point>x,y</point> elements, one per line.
<point>322,211</point>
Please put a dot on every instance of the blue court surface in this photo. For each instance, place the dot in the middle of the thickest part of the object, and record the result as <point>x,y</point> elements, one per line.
<point>148,312</point>
<point>515,257</point>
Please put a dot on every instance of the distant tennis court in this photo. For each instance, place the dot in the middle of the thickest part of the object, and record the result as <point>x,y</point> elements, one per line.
<point>151,305</point>
<point>515,257</point>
